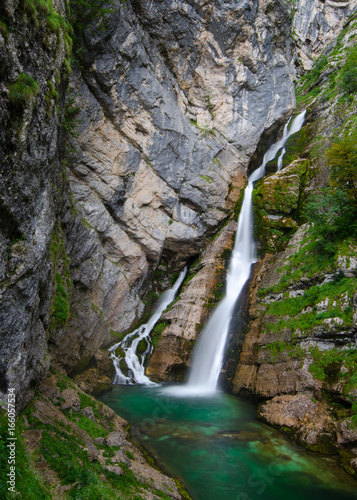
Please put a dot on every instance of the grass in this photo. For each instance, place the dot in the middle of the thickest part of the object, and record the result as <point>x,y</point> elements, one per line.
<point>29,485</point>
<point>23,90</point>
<point>292,314</point>
<point>92,428</point>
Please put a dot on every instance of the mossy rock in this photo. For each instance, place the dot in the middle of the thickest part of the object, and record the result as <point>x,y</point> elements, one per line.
<point>142,346</point>
<point>279,193</point>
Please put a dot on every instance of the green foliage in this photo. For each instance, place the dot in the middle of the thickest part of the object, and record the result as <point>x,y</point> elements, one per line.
<point>28,482</point>
<point>158,330</point>
<point>85,423</point>
<point>88,401</point>
<point>342,158</point>
<point>313,75</point>
<point>333,217</point>
<point>333,210</point>
<point>289,312</point>
<point>4,29</point>
<point>349,72</point>
<point>82,14</point>
<point>277,348</point>
<point>23,90</point>
<point>336,365</point>
<point>60,303</point>
<point>52,93</point>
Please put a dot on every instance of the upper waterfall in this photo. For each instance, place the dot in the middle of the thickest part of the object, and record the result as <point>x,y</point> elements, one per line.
<point>208,354</point>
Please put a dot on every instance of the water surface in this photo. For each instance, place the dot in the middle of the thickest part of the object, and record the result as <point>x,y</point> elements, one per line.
<point>221,451</point>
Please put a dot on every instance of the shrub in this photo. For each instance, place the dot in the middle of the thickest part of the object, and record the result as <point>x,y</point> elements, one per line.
<point>23,90</point>
<point>342,158</point>
<point>333,216</point>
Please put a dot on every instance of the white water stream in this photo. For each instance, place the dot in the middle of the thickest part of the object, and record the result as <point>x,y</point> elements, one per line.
<point>209,350</point>
<point>129,345</point>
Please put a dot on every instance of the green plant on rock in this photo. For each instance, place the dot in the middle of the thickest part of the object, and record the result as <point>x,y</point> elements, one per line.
<point>70,121</point>
<point>333,217</point>
<point>349,72</point>
<point>342,158</point>
<point>23,90</point>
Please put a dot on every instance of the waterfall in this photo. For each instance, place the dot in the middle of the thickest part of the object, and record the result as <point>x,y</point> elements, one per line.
<point>280,159</point>
<point>128,346</point>
<point>208,353</point>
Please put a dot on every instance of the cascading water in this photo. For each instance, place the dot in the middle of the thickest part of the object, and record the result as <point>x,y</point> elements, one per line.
<point>129,345</point>
<point>208,354</point>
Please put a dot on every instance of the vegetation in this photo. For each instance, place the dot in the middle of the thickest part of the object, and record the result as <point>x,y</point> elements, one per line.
<point>83,12</point>
<point>157,331</point>
<point>23,90</point>
<point>333,210</point>
<point>28,482</point>
<point>349,73</point>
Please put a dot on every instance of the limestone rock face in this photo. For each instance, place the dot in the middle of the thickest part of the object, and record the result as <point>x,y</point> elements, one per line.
<point>172,108</point>
<point>316,25</point>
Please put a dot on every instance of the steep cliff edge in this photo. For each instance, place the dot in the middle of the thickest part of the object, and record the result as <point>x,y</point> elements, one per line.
<point>301,347</point>
<point>34,47</point>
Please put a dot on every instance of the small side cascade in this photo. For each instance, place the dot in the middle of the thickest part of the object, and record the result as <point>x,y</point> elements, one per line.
<point>129,345</point>
<point>208,353</point>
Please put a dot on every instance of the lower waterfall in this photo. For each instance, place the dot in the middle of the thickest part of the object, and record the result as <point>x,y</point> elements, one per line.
<point>129,345</point>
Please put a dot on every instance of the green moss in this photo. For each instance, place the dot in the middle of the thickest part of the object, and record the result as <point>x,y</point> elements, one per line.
<point>4,30</point>
<point>207,178</point>
<point>61,309</point>
<point>313,75</point>
<point>52,94</point>
<point>158,330</point>
<point>349,72</point>
<point>277,348</point>
<point>23,90</point>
